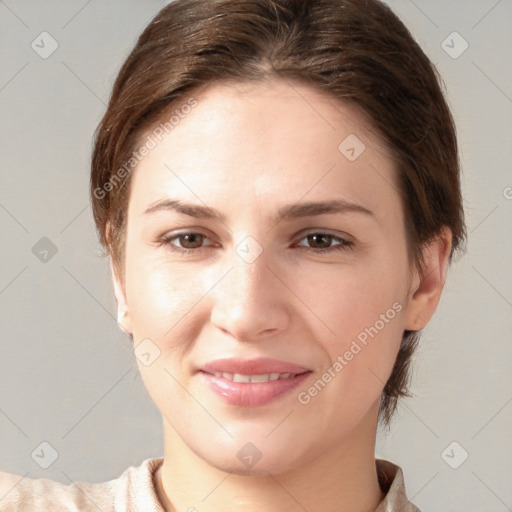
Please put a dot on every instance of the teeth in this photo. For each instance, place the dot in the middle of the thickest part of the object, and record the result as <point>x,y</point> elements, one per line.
<point>237,377</point>
<point>261,378</point>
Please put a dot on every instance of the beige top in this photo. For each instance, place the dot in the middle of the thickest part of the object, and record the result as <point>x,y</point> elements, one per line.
<point>134,491</point>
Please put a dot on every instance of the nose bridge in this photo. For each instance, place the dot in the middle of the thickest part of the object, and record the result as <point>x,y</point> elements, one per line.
<point>248,280</point>
<point>249,300</point>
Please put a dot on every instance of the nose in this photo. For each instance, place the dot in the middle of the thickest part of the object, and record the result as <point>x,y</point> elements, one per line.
<point>251,302</point>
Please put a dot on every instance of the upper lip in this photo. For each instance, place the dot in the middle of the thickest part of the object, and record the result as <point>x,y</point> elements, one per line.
<point>257,366</point>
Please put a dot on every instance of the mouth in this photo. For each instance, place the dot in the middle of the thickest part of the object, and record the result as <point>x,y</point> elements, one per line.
<point>252,382</point>
<point>264,377</point>
<point>252,367</point>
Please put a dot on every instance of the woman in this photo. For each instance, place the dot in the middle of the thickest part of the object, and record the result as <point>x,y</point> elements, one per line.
<point>276,183</point>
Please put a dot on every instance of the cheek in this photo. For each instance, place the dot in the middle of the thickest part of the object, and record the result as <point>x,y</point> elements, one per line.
<point>365,310</point>
<point>355,298</point>
<point>163,303</point>
<point>165,307</point>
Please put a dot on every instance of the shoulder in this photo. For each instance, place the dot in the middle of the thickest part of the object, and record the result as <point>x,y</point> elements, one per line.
<point>21,493</point>
<point>391,480</point>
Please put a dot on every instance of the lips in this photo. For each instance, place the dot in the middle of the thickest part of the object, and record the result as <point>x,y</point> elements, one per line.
<point>264,377</point>
<point>259,366</point>
<point>252,382</point>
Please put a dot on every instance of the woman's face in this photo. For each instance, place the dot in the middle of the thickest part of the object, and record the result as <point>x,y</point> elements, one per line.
<point>285,250</point>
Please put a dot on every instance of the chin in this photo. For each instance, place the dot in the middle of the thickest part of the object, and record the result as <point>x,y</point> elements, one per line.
<point>253,455</point>
<point>269,464</point>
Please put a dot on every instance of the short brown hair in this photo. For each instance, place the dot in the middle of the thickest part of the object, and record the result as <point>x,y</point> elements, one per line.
<point>358,52</point>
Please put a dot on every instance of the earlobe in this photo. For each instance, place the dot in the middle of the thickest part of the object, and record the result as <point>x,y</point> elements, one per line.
<point>123,317</point>
<point>120,321</point>
<point>429,282</point>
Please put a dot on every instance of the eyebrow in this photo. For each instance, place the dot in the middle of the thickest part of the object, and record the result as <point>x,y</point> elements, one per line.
<point>294,211</point>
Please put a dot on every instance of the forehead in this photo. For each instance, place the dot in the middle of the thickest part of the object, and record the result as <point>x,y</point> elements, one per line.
<point>278,138</point>
<point>274,108</point>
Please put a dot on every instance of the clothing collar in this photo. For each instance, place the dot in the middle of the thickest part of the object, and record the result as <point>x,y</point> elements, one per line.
<point>391,480</point>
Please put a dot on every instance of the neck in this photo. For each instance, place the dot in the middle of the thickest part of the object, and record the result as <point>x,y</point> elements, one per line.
<point>340,480</point>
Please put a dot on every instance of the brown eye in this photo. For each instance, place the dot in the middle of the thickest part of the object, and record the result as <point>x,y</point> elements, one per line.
<point>320,242</point>
<point>191,240</point>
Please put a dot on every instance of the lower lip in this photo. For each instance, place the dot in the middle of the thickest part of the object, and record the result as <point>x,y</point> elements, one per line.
<point>252,394</point>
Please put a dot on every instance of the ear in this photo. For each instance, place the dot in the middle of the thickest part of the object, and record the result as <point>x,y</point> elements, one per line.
<point>427,283</point>
<point>123,316</point>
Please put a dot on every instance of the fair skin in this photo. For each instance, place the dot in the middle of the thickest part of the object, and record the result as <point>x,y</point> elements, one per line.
<point>246,151</point>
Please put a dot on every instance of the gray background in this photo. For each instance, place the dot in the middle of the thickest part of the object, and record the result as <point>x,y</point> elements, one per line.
<point>67,374</point>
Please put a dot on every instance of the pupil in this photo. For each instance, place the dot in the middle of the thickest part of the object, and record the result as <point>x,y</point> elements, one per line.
<point>190,239</point>
<point>315,239</point>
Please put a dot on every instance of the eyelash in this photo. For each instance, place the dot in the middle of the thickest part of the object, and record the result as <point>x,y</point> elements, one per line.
<point>343,244</point>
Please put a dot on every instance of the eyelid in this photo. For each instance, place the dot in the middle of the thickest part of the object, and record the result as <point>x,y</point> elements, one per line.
<point>323,231</point>
<point>342,243</point>
<point>344,240</point>
<point>171,236</point>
